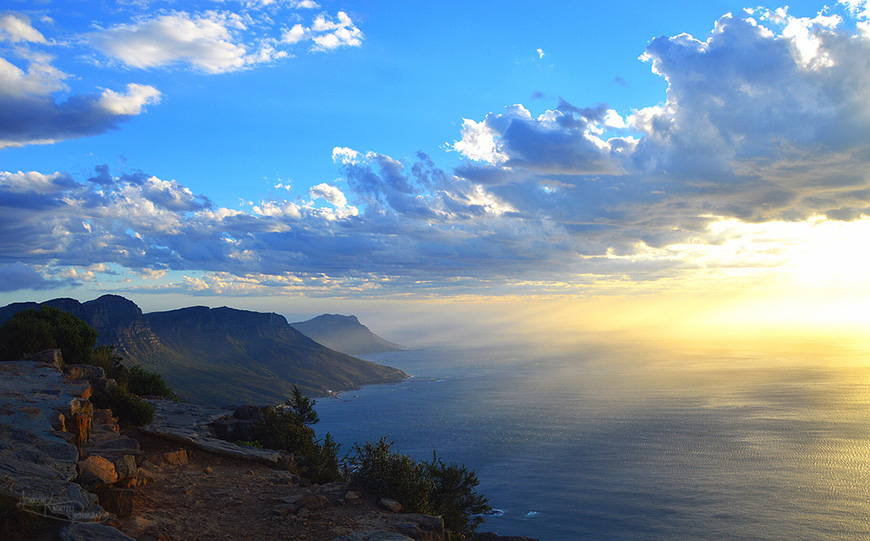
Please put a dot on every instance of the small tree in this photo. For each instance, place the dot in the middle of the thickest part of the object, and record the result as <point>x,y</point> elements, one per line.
<point>455,497</point>
<point>302,407</point>
<point>31,331</point>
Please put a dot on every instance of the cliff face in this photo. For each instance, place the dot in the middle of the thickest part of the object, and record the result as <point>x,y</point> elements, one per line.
<point>220,356</point>
<point>345,334</point>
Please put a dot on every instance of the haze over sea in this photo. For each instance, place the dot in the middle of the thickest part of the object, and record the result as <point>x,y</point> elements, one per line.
<point>629,440</point>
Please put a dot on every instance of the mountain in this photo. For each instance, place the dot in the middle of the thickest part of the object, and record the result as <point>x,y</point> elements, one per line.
<point>344,333</point>
<point>220,356</point>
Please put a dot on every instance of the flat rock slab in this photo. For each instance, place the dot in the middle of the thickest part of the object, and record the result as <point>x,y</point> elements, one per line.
<point>189,424</point>
<point>38,461</point>
<point>92,531</point>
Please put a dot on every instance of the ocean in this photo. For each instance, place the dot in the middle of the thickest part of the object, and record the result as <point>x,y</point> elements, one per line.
<point>630,442</point>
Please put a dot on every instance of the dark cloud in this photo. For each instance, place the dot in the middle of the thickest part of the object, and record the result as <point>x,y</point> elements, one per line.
<point>17,276</point>
<point>39,119</point>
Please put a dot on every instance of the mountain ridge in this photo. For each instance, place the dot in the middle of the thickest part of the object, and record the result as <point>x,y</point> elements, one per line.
<point>220,356</point>
<point>345,334</point>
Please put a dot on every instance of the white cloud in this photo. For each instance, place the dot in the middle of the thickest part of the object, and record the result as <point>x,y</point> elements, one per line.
<point>15,27</point>
<point>540,53</point>
<point>326,33</point>
<point>294,35</point>
<point>206,42</point>
<point>33,181</point>
<point>479,143</point>
<point>131,102</point>
<point>40,79</point>
<point>344,155</point>
<point>331,194</point>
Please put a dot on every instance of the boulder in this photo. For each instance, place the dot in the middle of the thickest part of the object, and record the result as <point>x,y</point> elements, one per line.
<point>314,502</point>
<point>390,505</point>
<point>232,429</point>
<point>96,472</point>
<point>126,467</point>
<point>176,458</point>
<point>117,500</point>
<point>84,371</point>
<point>51,357</point>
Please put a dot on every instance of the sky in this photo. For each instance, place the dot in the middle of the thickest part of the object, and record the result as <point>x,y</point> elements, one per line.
<point>646,163</point>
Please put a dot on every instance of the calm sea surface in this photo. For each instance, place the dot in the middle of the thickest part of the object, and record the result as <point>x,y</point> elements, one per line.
<point>622,443</point>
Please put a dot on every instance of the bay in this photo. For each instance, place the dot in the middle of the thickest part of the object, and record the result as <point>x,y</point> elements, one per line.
<point>623,441</point>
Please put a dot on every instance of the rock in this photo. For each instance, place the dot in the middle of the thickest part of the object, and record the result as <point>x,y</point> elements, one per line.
<point>284,509</point>
<point>376,535</point>
<point>490,536</point>
<point>84,371</point>
<point>247,413</point>
<point>117,500</point>
<point>57,421</point>
<point>91,531</point>
<point>176,458</point>
<point>352,497</point>
<point>232,429</point>
<point>314,502</point>
<point>51,357</point>
<point>78,419</point>
<point>390,505</point>
<point>126,467</point>
<point>145,475</point>
<point>208,470</point>
<point>303,513</point>
<point>417,526</point>
<point>96,472</point>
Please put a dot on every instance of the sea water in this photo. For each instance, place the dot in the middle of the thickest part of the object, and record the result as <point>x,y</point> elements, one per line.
<point>629,443</point>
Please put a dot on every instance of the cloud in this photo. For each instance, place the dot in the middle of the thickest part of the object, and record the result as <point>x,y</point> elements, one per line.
<point>29,114</point>
<point>17,276</point>
<point>204,41</point>
<point>16,27</point>
<point>130,103</point>
<point>326,33</point>
<point>766,122</point>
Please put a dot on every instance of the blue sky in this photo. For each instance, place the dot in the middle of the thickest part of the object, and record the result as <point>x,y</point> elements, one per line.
<point>241,151</point>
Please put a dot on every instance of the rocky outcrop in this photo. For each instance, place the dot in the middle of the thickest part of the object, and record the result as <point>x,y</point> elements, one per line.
<point>39,461</point>
<point>190,424</point>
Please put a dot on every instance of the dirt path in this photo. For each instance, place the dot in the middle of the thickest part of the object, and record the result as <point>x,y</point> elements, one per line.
<point>203,496</point>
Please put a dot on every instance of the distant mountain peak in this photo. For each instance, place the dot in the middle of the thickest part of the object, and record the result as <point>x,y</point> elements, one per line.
<point>220,355</point>
<point>345,334</point>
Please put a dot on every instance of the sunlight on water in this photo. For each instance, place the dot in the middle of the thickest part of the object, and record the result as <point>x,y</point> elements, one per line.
<point>630,441</point>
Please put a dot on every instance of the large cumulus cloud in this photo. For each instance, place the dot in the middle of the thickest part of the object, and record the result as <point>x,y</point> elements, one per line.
<point>767,118</point>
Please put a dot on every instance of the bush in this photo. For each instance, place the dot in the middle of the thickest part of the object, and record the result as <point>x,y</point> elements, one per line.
<point>322,466</point>
<point>131,410</point>
<point>455,497</point>
<point>280,430</point>
<point>31,331</point>
<point>421,487</point>
<point>388,474</point>
<point>145,382</point>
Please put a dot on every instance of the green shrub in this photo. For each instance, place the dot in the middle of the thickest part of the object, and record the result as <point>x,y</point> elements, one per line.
<point>31,331</point>
<point>447,490</point>
<point>280,430</point>
<point>131,410</point>
<point>322,466</point>
<point>388,474</point>
<point>145,382</point>
<point>253,444</point>
<point>455,498</point>
<point>302,407</point>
